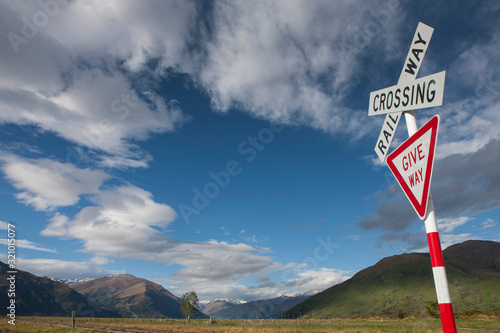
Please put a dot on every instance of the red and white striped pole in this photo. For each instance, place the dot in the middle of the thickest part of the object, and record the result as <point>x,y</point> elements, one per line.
<point>440,279</point>
<point>438,271</point>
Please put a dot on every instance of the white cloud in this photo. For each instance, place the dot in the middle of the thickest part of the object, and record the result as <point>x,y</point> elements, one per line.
<point>66,79</point>
<point>127,30</point>
<point>126,215</point>
<point>450,239</point>
<point>293,281</point>
<point>46,184</point>
<point>127,218</point>
<point>83,114</point>
<point>231,290</point>
<point>450,224</point>
<point>472,119</point>
<point>251,239</point>
<point>26,244</point>
<point>465,131</point>
<point>288,62</point>
<point>120,162</point>
<point>39,61</point>
<point>61,269</point>
<point>489,223</point>
<point>317,280</point>
<point>215,262</point>
<point>225,230</point>
<point>107,121</point>
<point>99,260</point>
<point>293,62</point>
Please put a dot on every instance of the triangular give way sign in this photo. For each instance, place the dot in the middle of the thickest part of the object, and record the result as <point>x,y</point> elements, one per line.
<point>412,163</point>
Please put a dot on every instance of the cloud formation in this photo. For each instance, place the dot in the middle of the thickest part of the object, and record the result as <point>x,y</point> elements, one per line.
<point>294,63</point>
<point>127,217</point>
<point>46,184</point>
<point>26,244</point>
<point>56,79</point>
<point>62,269</point>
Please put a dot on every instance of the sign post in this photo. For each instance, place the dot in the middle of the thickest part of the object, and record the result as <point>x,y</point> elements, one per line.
<point>414,158</point>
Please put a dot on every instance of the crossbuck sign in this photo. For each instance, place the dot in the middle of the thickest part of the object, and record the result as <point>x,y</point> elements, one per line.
<point>412,162</point>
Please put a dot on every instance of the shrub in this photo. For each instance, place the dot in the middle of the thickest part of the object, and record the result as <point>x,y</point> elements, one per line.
<point>432,309</point>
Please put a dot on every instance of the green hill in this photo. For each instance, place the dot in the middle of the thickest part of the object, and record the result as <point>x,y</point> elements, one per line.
<point>405,282</point>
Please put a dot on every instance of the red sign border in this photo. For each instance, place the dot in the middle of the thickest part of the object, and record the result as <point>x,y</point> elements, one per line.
<point>432,125</point>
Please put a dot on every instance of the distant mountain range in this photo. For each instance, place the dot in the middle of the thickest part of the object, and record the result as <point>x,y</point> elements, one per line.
<point>399,282</point>
<point>68,281</point>
<point>39,296</point>
<point>271,308</point>
<point>211,307</point>
<point>130,296</point>
<point>405,282</point>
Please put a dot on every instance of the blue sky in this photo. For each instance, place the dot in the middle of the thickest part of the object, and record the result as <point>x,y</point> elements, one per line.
<point>226,148</point>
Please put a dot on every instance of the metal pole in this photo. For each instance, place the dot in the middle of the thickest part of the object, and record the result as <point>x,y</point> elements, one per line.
<point>438,270</point>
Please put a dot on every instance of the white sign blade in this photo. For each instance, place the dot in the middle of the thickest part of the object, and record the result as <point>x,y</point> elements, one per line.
<point>418,50</point>
<point>422,93</point>
<point>386,134</point>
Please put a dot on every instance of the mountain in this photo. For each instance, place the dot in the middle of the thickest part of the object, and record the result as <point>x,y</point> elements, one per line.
<point>484,254</point>
<point>217,305</point>
<point>69,281</point>
<point>40,296</point>
<point>270,308</point>
<point>405,282</point>
<point>130,296</point>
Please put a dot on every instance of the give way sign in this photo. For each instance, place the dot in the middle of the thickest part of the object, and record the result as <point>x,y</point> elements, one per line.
<point>412,164</point>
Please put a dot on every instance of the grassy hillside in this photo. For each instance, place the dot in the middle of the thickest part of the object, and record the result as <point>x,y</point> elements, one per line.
<point>405,282</point>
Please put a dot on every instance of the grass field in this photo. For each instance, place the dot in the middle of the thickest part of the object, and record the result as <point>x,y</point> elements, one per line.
<point>482,323</point>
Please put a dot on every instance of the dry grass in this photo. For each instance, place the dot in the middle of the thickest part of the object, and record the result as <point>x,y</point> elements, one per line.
<point>59,324</point>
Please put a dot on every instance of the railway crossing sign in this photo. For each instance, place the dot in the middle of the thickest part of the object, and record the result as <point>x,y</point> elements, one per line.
<point>414,58</point>
<point>412,164</point>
